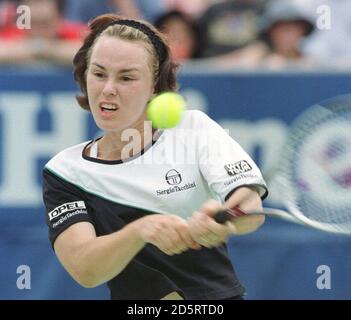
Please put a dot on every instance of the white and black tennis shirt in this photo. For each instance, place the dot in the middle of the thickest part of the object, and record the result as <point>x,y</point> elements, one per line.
<point>184,167</point>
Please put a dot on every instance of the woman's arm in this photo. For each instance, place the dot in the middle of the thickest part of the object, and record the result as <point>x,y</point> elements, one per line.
<point>93,260</point>
<point>248,199</point>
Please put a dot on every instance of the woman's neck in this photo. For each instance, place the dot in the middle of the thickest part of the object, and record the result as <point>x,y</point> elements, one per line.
<point>121,145</point>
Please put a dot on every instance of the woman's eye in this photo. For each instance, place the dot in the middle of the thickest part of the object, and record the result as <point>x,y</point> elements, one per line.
<point>98,74</point>
<point>126,78</point>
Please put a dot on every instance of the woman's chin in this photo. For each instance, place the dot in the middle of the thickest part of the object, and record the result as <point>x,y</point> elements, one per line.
<point>114,127</point>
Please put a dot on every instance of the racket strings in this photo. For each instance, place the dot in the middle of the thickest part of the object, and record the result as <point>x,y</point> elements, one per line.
<point>316,164</point>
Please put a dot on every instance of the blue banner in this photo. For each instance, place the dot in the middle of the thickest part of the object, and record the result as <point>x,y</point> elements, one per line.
<point>39,117</point>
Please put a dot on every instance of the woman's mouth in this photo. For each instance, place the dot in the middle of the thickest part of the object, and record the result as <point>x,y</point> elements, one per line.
<point>108,109</point>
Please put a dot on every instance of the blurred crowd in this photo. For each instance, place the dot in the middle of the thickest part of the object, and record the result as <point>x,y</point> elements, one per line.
<point>228,34</point>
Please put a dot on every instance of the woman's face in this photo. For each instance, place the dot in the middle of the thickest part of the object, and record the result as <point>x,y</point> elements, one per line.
<point>181,39</point>
<point>119,83</point>
<point>286,36</point>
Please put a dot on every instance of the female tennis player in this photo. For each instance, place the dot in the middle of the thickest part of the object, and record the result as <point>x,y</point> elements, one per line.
<point>120,209</point>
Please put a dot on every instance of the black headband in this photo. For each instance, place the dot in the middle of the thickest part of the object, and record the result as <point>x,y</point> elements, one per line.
<point>155,40</point>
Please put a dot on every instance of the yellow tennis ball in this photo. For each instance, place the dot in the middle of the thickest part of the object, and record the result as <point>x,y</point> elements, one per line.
<point>166,110</point>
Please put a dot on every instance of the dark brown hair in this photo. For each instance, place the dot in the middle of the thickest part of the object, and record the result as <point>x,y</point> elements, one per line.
<point>164,68</point>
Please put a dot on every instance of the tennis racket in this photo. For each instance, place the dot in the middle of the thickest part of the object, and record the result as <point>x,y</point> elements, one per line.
<point>314,172</point>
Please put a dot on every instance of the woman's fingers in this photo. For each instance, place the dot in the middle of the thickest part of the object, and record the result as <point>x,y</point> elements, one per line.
<point>169,233</point>
<point>206,231</point>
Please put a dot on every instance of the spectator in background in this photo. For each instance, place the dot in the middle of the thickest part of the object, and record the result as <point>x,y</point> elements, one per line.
<point>193,8</point>
<point>229,25</point>
<point>85,10</point>
<point>283,28</point>
<point>182,33</point>
<point>7,13</point>
<point>50,38</point>
<point>330,44</point>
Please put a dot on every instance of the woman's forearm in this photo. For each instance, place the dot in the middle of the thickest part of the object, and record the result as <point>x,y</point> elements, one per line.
<point>100,259</point>
<point>248,199</point>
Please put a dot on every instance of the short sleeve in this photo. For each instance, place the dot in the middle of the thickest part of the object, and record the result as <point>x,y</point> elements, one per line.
<point>64,203</point>
<point>224,163</point>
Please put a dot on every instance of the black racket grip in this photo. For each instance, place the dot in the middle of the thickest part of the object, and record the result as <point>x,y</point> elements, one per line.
<point>226,215</point>
<point>223,216</point>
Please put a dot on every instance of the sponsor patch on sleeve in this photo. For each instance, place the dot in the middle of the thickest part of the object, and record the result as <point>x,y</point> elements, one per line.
<point>238,167</point>
<point>67,208</point>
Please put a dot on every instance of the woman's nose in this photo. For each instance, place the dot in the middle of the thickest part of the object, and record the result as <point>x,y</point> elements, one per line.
<point>109,89</point>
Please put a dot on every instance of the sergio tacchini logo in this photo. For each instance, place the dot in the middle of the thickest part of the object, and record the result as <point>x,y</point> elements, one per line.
<point>173,177</point>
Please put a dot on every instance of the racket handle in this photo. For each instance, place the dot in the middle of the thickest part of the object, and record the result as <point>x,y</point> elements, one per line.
<point>226,215</point>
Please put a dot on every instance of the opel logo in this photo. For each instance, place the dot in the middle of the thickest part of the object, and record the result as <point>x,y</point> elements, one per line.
<point>173,177</point>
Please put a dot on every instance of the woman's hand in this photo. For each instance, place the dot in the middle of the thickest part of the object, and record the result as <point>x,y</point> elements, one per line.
<point>169,233</point>
<point>205,230</point>
<point>208,233</point>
